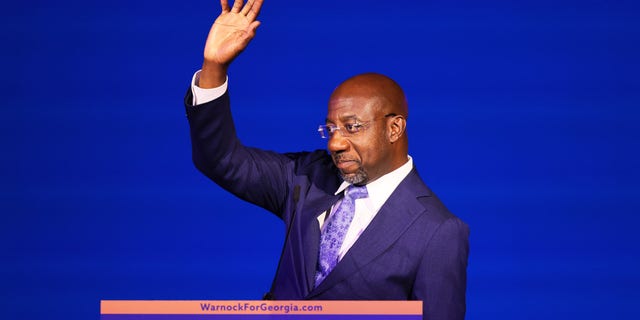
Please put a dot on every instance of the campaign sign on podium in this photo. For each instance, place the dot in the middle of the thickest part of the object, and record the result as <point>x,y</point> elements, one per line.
<point>258,310</point>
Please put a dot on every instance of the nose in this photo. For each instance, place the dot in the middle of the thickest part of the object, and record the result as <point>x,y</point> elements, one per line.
<point>337,143</point>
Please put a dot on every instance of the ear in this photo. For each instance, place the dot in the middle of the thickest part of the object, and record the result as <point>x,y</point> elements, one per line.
<point>396,126</point>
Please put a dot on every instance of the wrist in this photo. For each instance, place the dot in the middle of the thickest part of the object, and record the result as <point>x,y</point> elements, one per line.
<point>212,75</point>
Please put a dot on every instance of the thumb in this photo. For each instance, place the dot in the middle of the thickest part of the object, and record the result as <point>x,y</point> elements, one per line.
<point>251,30</point>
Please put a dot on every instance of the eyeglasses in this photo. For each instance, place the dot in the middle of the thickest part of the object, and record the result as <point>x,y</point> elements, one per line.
<point>349,129</point>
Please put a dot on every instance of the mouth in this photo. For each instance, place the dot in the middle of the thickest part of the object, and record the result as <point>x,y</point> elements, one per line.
<point>346,165</point>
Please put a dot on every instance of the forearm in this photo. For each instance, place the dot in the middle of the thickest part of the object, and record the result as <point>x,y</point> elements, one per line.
<point>212,132</point>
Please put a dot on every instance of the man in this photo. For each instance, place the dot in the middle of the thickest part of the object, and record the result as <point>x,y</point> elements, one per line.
<point>361,224</point>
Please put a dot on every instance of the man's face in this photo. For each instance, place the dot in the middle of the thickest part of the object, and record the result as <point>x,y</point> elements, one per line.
<point>359,148</point>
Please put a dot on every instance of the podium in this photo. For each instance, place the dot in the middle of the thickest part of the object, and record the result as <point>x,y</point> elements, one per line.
<point>259,310</point>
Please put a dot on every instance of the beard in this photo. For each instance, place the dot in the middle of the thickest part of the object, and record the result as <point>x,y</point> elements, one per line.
<point>359,177</point>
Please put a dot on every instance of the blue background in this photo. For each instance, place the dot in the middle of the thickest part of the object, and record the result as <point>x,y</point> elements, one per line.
<point>524,119</point>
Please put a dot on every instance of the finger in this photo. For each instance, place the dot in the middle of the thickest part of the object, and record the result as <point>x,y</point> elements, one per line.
<point>252,28</point>
<point>225,5</point>
<point>250,33</point>
<point>237,5</point>
<point>255,10</point>
<point>246,7</point>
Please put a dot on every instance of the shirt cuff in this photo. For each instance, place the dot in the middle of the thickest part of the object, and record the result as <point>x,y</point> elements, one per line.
<point>200,95</point>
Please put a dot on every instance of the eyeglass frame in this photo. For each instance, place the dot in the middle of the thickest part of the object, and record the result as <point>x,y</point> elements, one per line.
<point>330,129</point>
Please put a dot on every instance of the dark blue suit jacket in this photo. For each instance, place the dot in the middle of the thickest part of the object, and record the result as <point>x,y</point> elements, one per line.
<point>414,248</point>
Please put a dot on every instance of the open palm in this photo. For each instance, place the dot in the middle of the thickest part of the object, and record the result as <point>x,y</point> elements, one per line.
<point>232,31</point>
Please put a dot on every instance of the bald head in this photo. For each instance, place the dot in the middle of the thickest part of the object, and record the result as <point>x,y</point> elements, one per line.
<point>370,111</point>
<point>376,87</point>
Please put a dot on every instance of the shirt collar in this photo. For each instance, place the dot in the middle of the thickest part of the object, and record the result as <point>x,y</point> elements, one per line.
<point>380,189</point>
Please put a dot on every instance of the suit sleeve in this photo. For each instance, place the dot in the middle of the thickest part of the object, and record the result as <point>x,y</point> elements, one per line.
<point>441,280</point>
<point>258,176</point>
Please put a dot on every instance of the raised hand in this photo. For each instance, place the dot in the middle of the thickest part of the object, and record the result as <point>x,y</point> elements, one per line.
<point>230,34</point>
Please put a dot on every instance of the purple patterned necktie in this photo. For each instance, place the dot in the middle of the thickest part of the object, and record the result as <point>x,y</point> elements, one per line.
<point>334,232</point>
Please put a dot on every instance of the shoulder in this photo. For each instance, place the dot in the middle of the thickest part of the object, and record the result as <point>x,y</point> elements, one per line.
<point>316,167</point>
<point>433,208</point>
<point>311,161</point>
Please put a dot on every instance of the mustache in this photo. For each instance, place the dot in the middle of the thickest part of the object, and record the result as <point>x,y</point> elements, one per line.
<point>341,157</point>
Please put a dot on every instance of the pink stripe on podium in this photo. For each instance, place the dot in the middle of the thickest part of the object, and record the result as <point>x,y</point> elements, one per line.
<point>259,307</point>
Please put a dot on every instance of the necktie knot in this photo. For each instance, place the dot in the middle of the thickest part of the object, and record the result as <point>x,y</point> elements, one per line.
<point>356,192</point>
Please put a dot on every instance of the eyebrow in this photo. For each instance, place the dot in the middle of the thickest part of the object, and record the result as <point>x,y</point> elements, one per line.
<point>345,118</point>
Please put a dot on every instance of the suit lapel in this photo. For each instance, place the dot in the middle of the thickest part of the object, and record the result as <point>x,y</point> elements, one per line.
<point>393,218</point>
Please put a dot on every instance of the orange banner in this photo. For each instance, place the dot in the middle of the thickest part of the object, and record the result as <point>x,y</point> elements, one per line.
<point>258,307</point>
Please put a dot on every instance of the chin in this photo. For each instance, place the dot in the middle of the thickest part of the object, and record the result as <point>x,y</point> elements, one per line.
<point>358,177</point>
